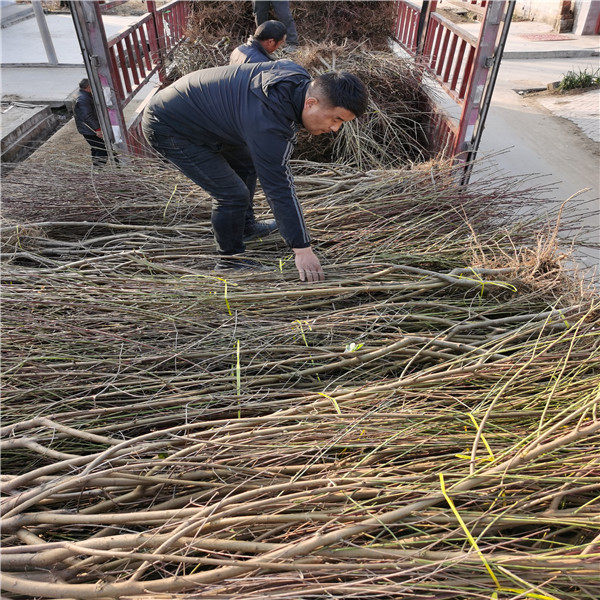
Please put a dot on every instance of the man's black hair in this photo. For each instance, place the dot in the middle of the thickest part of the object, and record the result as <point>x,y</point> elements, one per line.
<point>343,89</point>
<point>270,30</point>
<point>84,83</point>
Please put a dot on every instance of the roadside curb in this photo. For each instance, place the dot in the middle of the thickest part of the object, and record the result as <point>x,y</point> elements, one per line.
<point>517,55</point>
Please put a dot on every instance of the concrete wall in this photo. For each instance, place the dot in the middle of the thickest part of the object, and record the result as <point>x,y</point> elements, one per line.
<point>586,16</point>
<point>22,126</point>
<point>553,12</point>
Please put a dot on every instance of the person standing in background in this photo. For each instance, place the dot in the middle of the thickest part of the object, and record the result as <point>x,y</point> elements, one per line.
<point>282,13</point>
<point>86,120</point>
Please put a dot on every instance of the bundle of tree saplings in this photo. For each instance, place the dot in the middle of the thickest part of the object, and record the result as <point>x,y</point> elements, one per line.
<point>465,477</point>
<point>420,204</point>
<point>361,21</point>
<point>422,424</point>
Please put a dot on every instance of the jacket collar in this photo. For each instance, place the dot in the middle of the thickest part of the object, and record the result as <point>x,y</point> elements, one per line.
<point>256,44</point>
<point>287,105</point>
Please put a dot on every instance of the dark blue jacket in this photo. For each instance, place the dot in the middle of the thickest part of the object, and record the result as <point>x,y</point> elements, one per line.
<point>256,105</point>
<point>86,118</point>
<point>250,52</point>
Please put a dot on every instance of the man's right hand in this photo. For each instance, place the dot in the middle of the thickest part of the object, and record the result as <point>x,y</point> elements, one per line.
<point>308,265</point>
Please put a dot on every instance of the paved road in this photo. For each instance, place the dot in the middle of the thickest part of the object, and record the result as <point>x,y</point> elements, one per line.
<point>582,109</point>
<point>519,46</point>
<point>27,79</point>
<point>539,142</point>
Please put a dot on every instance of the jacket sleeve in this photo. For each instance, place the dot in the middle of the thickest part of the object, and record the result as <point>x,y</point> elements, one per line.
<point>85,114</point>
<point>271,155</point>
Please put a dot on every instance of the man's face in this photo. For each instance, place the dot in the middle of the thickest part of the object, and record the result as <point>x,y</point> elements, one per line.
<point>280,43</point>
<point>272,45</point>
<point>318,117</point>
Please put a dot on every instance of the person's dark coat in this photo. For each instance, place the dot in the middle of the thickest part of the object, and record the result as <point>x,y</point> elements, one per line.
<point>250,52</point>
<point>86,118</point>
<point>254,105</point>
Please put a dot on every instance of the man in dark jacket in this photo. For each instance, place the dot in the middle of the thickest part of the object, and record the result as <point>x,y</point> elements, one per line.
<point>86,120</point>
<point>267,38</point>
<point>217,125</point>
<point>283,13</point>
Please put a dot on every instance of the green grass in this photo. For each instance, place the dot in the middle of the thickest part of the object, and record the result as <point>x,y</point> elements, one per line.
<point>582,79</point>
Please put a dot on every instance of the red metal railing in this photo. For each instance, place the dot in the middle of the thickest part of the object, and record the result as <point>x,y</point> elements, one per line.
<point>449,52</point>
<point>171,23</point>
<point>470,3</point>
<point>476,5</point>
<point>139,51</point>
<point>406,25</point>
<point>459,62</point>
<point>104,6</point>
<point>442,134</point>
<point>134,57</point>
<point>136,141</point>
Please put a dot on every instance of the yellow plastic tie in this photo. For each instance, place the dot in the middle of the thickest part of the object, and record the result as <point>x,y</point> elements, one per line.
<point>301,328</point>
<point>467,532</point>
<point>333,401</point>
<point>478,279</point>
<point>169,201</point>
<point>487,446</point>
<point>238,371</point>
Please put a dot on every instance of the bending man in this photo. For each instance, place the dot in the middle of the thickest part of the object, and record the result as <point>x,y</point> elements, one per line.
<point>267,38</point>
<point>216,125</point>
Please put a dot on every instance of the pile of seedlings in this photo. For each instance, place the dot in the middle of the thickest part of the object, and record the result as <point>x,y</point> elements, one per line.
<point>231,21</point>
<point>423,424</point>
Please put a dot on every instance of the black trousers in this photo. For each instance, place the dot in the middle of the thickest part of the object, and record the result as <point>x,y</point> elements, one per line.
<point>225,172</point>
<point>282,13</point>
<point>99,153</point>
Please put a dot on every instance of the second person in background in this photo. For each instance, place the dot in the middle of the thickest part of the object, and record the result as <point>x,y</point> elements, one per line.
<point>282,13</point>
<point>267,38</point>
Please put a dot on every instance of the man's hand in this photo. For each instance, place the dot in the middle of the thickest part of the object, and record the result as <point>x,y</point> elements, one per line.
<point>308,265</point>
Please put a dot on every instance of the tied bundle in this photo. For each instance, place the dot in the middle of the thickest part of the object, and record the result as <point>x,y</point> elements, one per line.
<point>424,423</point>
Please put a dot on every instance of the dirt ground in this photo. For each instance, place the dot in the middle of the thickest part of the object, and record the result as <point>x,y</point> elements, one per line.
<point>66,145</point>
<point>456,17</point>
<point>556,92</point>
